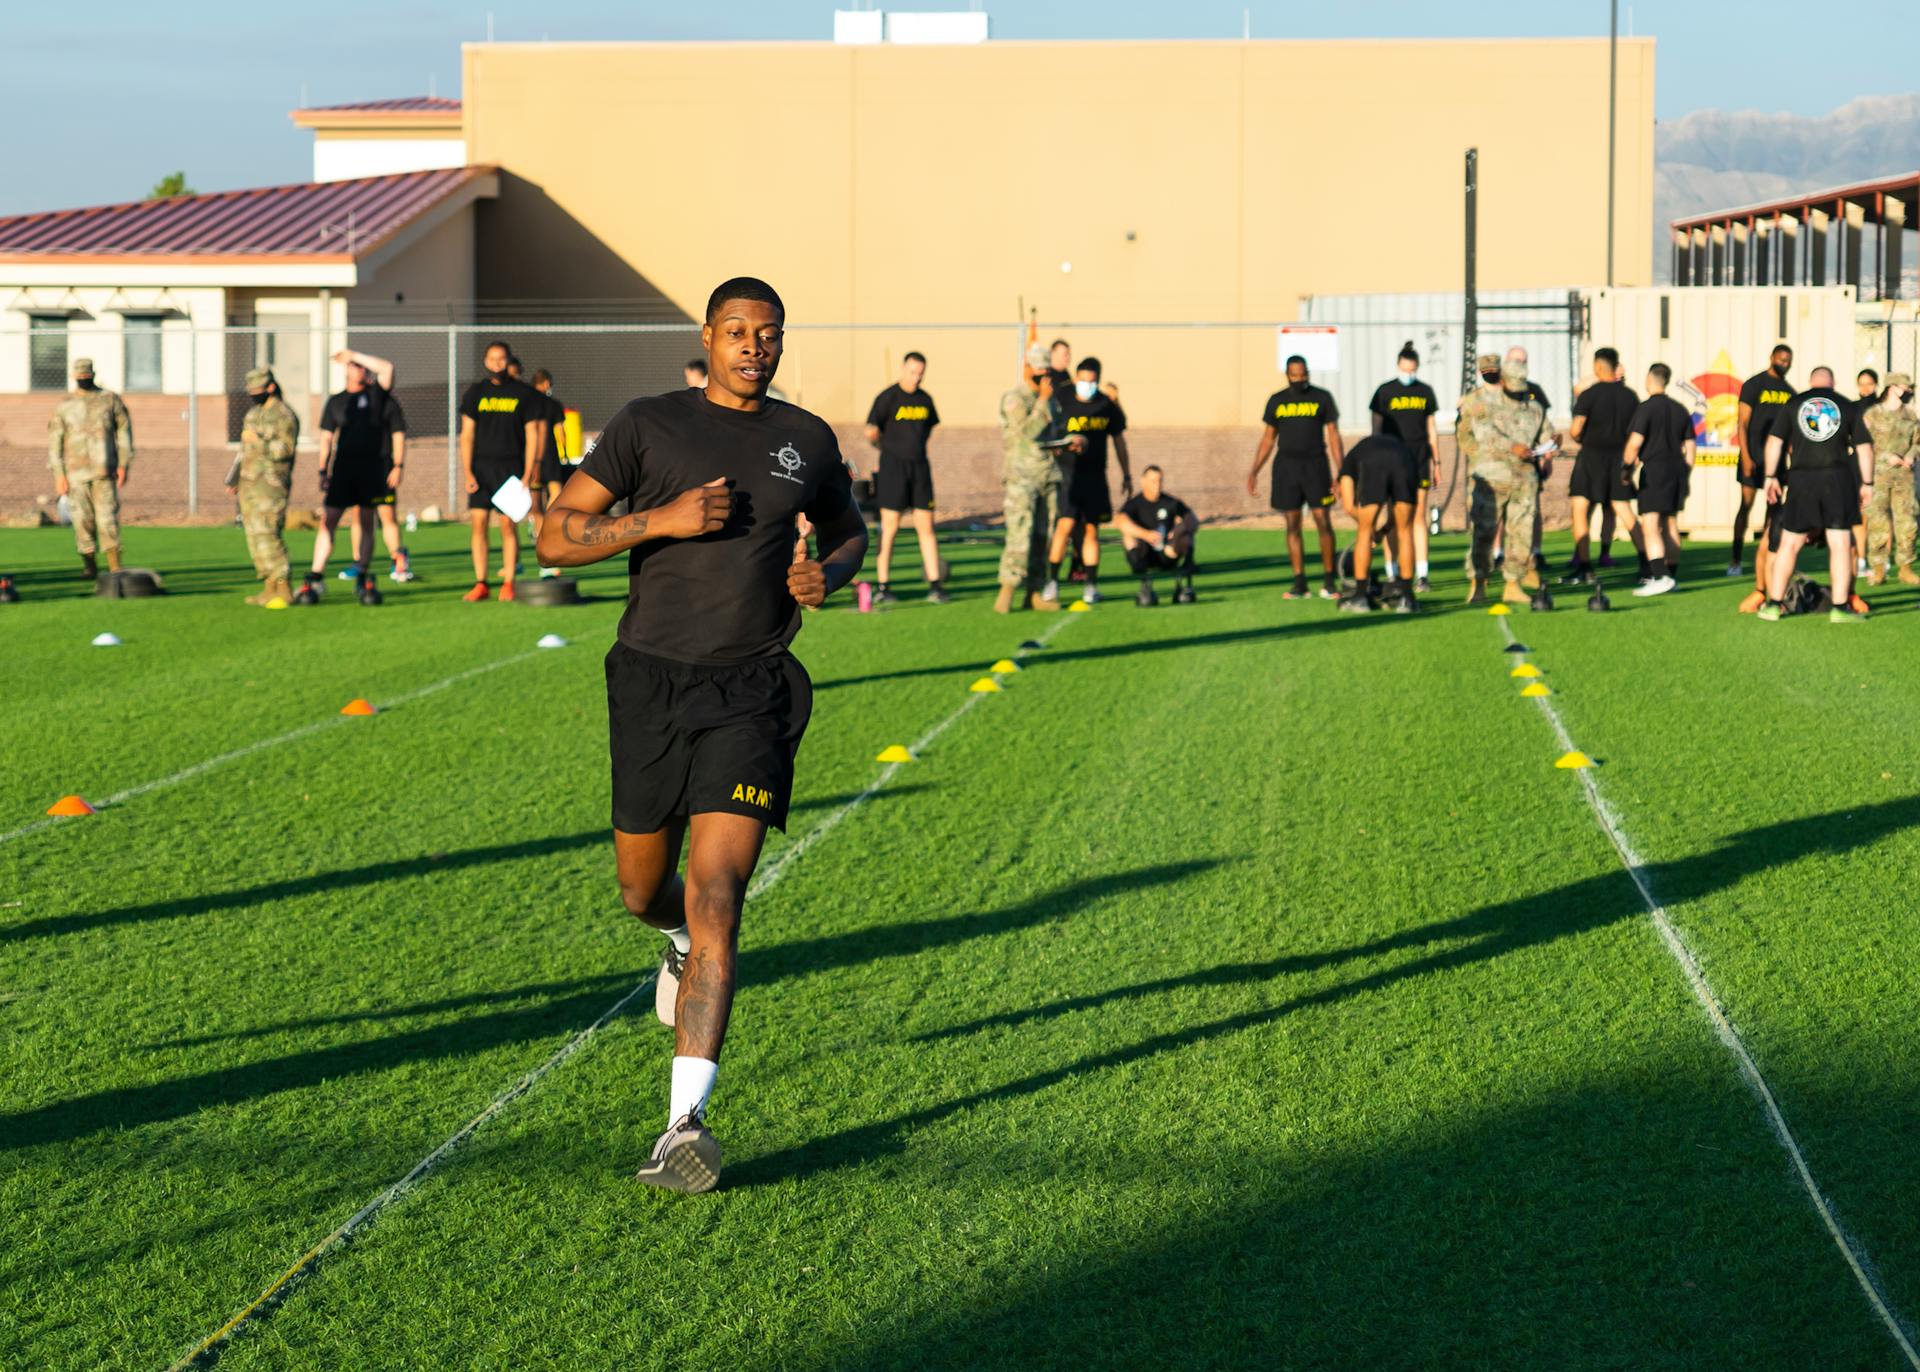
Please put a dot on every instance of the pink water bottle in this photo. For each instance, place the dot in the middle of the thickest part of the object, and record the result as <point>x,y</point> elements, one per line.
<point>863,596</point>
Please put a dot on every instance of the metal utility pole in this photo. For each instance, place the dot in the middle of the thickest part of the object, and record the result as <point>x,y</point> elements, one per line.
<point>1613,98</point>
<point>1470,331</point>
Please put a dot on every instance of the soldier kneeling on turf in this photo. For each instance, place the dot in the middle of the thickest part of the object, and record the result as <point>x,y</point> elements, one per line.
<point>1379,476</point>
<point>1157,530</point>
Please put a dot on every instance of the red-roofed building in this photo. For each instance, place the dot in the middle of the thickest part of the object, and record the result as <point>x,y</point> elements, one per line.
<point>374,137</point>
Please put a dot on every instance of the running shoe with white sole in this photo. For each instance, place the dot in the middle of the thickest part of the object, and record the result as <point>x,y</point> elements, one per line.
<point>1735,569</point>
<point>666,986</point>
<point>686,1158</point>
<point>1091,594</point>
<point>353,571</point>
<point>1658,585</point>
<point>1051,591</point>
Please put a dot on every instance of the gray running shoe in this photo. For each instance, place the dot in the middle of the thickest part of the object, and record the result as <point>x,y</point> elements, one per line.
<point>686,1158</point>
<point>666,986</point>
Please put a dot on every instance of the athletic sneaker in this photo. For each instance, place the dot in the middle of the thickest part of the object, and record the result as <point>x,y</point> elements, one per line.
<point>1146,597</point>
<point>1606,559</point>
<point>1735,569</point>
<point>353,571</point>
<point>1860,567</point>
<point>1423,586</point>
<point>686,1158</point>
<point>1840,615</point>
<point>1297,591</point>
<point>883,596</point>
<point>1184,595</point>
<point>1577,576</point>
<point>1090,593</point>
<point>1770,612</point>
<point>938,596</point>
<point>369,593</point>
<point>1403,603</point>
<point>479,592</point>
<point>666,985</point>
<point>1658,585</point>
<point>549,573</point>
<point>402,570</point>
<point>1050,591</point>
<point>1356,604</point>
<point>1329,591</point>
<point>506,590</point>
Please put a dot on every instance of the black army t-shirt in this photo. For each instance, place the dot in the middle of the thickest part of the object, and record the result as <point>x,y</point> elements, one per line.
<point>364,423</point>
<point>1664,426</point>
<point>1096,420</point>
<point>1767,395</point>
<point>905,420</point>
<point>1608,408</point>
<point>1380,450</point>
<point>1405,408</point>
<point>500,412</point>
<point>1299,416</point>
<point>1163,514</point>
<point>555,413</point>
<point>1820,428</point>
<point>722,597</point>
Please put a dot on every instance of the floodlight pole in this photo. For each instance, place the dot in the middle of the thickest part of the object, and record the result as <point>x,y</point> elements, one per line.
<point>1613,97</point>
<point>1470,328</point>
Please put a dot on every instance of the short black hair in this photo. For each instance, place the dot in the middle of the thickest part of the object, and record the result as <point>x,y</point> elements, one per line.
<point>499,343</point>
<point>921,358</point>
<point>1059,343</point>
<point>1408,353</point>
<point>1610,356</point>
<point>1662,371</point>
<point>1868,371</point>
<point>542,374</point>
<point>1151,467</point>
<point>1297,358</point>
<point>1088,364</point>
<point>744,288</point>
<point>696,363</point>
<point>1782,348</point>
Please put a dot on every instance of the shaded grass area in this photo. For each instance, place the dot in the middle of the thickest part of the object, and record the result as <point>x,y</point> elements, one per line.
<point>1241,986</point>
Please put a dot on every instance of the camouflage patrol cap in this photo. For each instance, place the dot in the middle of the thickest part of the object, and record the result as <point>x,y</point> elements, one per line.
<point>1037,356</point>
<point>1486,362</point>
<point>1899,381</point>
<point>83,366</point>
<point>259,379</point>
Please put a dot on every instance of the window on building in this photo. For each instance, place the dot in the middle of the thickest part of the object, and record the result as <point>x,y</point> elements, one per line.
<point>47,352</point>
<point>143,352</point>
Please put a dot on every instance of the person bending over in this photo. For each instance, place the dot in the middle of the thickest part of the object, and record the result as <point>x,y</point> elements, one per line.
<point>1379,477</point>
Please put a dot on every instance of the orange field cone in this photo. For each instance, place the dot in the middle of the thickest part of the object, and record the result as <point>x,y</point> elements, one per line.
<point>357,706</point>
<point>69,807</point>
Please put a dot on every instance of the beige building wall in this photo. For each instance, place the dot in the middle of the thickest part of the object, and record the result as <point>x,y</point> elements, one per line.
<point>1182,181</point>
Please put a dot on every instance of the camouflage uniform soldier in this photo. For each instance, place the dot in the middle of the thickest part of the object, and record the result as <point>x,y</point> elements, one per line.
<point>1508,425</point>
<point>90,449</point>
<point>263,479</point>
<point>1892,510</point>
<point>1031,480</point>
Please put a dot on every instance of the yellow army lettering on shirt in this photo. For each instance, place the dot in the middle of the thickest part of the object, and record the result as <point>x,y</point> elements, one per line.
<point>499,404</point>
<point>912,414</point>
<point>753,795</point>
<point>1080,423</point>
<point>1774,397</point>
<point>1297,409</point>
<point>1407,402</point>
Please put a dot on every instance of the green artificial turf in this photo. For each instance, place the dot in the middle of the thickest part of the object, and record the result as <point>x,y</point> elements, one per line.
<point>1242,986</point>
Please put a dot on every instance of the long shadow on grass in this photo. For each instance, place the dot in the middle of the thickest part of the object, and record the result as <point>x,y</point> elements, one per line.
<point>1490,933</point>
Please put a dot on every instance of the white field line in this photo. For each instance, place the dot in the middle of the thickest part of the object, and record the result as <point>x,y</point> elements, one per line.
<point>366,1213</point>
<point>260,746</point>
<point>1850,1250</point>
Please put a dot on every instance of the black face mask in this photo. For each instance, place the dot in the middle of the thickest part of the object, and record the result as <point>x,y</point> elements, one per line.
<point>84,383</point>
<point>1301,385</point>
<point>1779,370</point>
<point>497,373</point>
<point>1491,378</point>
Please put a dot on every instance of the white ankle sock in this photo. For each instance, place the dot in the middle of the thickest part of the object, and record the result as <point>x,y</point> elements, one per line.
<point>682,941</point>
<point>1420,568</point>
<point>692,1084</point>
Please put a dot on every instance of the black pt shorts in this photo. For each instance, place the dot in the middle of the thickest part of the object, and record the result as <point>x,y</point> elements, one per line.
<point>1663,487</point>
<point>491,476</point>
<point>1385,480</point>
<point>1086,500</point>
<point>689,740</point>
<point>904,483</point>
<point>352,483</point>
<point>1599,477</point>
<point>1300,482</point>
<point>1825,498</point>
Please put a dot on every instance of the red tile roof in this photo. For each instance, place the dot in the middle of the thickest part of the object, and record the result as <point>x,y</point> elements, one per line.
<point>409,104</point>
<point>306,222</point>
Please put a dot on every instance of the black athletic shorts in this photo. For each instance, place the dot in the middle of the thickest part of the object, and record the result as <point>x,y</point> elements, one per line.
<point>1756,482</point>
<point>1663,487</point>
<point>358,483</point>
<point>1087,501</point>
<point>1825,498</point>
<point>904,483</point>
<point>1599,477</point>
<point>491,478</point>
<point>1385,480</point>
<point>689,740</point>
<point>553,471</point>
<point>1299,482</point>
<point>1423,469</point>
<point>1143,558</point>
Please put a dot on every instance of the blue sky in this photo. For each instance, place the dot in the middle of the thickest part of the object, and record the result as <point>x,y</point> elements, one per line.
<point>106,97</point>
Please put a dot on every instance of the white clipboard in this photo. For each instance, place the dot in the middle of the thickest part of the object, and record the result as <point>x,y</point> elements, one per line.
<point>513,499</point>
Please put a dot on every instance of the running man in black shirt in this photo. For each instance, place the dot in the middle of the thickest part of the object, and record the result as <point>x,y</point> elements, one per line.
<point>1602,417</point>
<point>500,434</point>
<point>1157,531</point>
<point>1762,396</point>
<point>1303,425</point>
<point>706,707</point>
<point>363,437</point>
<point>899,422</point>
<point>1660,448</point>
<point>1086,501</point>
<point>1407,405</point>
<point>1823,440</point>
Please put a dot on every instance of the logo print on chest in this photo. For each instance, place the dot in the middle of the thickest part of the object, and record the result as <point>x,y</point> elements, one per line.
<point>788,457</point>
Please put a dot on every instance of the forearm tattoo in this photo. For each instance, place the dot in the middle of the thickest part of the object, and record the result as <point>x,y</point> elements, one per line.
<point>598,531</point>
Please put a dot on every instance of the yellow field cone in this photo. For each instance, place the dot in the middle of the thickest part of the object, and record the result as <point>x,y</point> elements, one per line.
<point>985,683</point>
<point>1005,664</point>
<point>1525,669</point>
<point>895,753</point>
<point>70,806</point>
<point>1574,761</point>
<point>357,706</point>
<point>275,604</point>
<point>1535,688</point>
<point>1498,609</point>
<point>1079,607</point>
